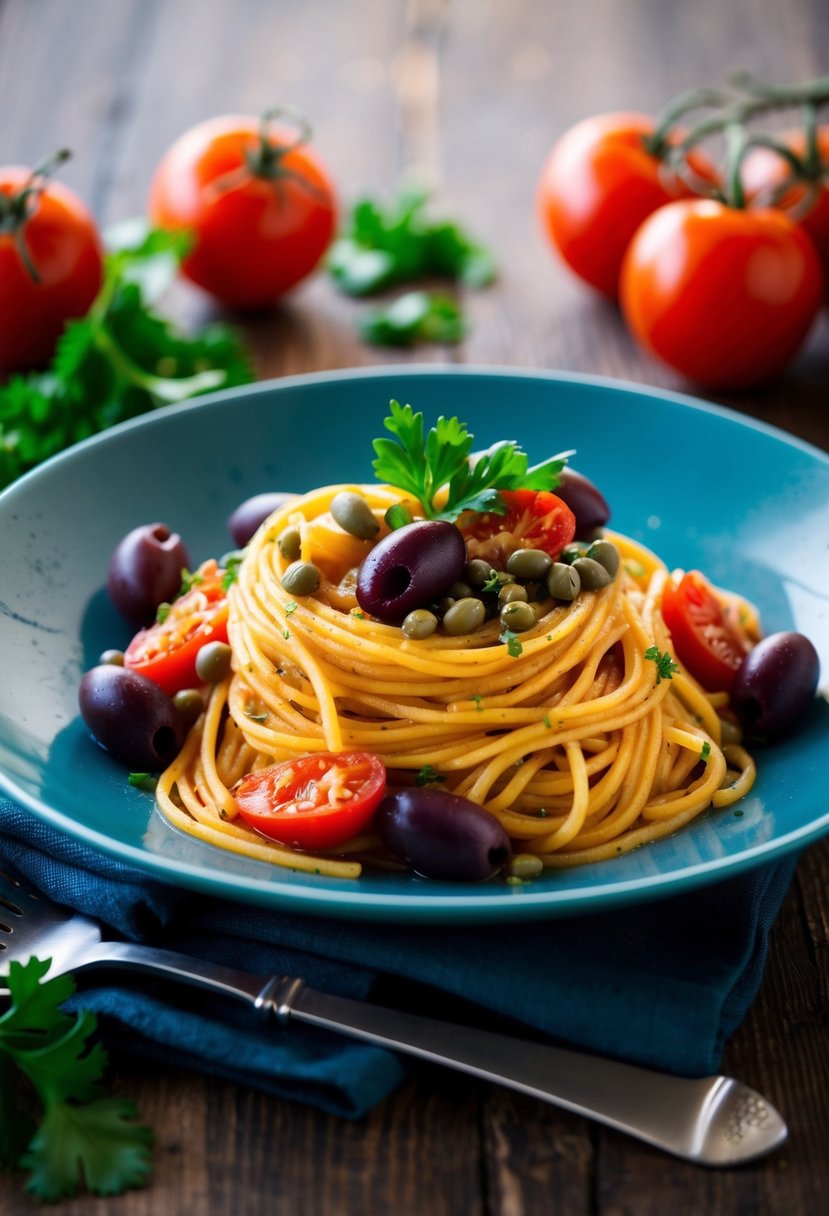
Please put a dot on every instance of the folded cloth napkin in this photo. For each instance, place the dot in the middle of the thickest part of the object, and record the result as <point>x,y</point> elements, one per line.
<point>661,984</point>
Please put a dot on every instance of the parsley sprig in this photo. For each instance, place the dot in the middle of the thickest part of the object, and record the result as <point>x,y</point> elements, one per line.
<point>665,665</point>
<point>422,465</point>
<point>384,245</point>
<point>83,1136</point>
<point>120,360</point>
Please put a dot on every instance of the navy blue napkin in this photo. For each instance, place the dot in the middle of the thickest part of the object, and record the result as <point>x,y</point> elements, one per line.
<point>662,984</point>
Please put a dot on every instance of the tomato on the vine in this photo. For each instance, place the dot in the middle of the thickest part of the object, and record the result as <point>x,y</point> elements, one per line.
<point>599,183</point>
<point>723,295</point>
<point>166,651</point>
<point>764,172</point>
<point>257,201</point>
<point>534,519</point>
<point>315,802</point>
<point>705,636</point>
<point>51,263</point>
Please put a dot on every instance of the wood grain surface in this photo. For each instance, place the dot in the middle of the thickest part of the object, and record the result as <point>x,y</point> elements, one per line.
<point>468,96</point>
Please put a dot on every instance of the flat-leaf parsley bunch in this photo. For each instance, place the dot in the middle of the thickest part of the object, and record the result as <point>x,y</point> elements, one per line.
<point>443,461</point>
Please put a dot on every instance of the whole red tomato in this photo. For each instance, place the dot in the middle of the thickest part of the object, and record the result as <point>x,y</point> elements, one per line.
<point>257,200</point>
<point>725,296</point>
<point>808,205</point>
<point>50,264</point>
<point>598,185</point>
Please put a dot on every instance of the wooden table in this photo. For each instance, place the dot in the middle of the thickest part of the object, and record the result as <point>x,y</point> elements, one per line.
<point>471,94</point>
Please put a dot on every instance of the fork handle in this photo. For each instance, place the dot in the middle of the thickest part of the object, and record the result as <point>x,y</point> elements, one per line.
<point>711,1120</point>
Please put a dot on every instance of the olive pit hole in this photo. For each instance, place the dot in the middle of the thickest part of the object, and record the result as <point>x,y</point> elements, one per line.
<point>398,580</point>
<point>165,743</point>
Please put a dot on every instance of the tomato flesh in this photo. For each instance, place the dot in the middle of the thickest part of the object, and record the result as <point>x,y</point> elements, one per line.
<point>314,802</point>
<point>166,651</point>
<point>704,641</point>
<point>534,519</point>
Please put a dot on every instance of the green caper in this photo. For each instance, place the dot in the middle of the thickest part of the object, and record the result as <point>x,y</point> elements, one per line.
<point>529,563</point>
<point>571,552</point>
<point>465,616</point>
<point>478,572</point>
<point>518,616</point>
<point>460,590</point>
<point>354,515</point>
<point>510,592</point>
<point>213,662</point>
<point>115,658</point>
<point>421,623</point>
<point>189,704</point>
<point>606,554</point>
<point>525,865</point>
<point>290,544</point>
<point>301,578</point>
<point>593,575</point>
<point>563,582</point>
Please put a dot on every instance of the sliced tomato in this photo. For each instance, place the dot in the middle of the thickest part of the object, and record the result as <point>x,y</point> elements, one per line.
<point>534,519</point>
<point>705,639</point>
<point>166,651</point>
<point>315,802</point>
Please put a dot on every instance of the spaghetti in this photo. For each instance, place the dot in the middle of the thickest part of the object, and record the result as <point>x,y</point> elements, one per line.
<point>574,739</point>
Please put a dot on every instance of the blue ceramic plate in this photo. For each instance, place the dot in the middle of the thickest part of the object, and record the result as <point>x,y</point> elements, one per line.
<point>701,486</point>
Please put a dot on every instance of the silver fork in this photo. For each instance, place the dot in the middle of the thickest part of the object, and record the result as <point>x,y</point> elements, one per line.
<point>715,1121</point>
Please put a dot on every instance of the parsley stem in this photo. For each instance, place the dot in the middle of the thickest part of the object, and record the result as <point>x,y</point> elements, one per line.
<point>167,389</point>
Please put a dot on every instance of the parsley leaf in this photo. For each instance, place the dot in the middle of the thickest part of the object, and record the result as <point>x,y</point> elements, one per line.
<point>417,316</point>
<point>513,643</point>
<point>428,775</point>
<point>705,752</point>
<point>384,246</point>
<point>83,1135</point>
<point>665,666</point>
<point>97,1141</point>
<point>119,361</point>
<point>421,467</point>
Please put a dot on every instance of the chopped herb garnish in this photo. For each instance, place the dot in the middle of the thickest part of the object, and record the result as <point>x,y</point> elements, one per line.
<point>254,717</point>
<point>143,781</point>
<point>479,702</point>
<point>285,634</point>
<point>665,666</point>
<point>230,564</point>
<point>428,775</point>
<point>189,580</point>
<point>706,752</point>
<point>162,612</point>
<point>421,467</point>
<point>512,642</point>
<point>361,616</point>
<point>547,722</point>
<point>291,607</point>
<point>493,582</point>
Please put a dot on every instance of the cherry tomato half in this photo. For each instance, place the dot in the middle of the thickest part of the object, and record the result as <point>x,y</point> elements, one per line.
<point>534,519</point>
<point>723,296</point>
<point>166,651</point>
<point>50,265</point>
<point>598,185</point>
<point>315,802</point>
<point>704,637</point>
<point>257,201</point>
<point>808,206</point>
